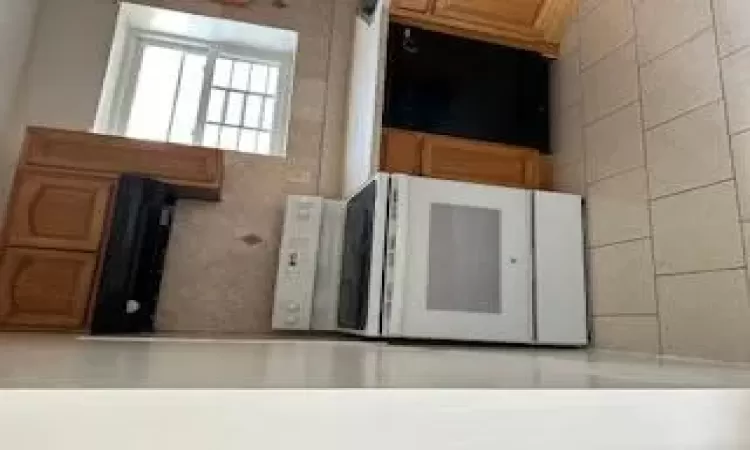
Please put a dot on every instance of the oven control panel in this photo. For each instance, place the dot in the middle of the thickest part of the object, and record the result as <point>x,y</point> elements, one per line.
<point>295,281</point>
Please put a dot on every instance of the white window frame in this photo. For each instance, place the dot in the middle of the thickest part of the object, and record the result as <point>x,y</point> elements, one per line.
<point>133,56</point>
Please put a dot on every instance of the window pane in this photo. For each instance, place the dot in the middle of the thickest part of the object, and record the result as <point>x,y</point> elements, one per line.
<point>215,105</point>
<point>264,143</point>
<point>268,111</point>
<point>188,99</point>
<point>211,136</point>
<point>234,109</point>
<point>222,72</point>
<point>240,75</point>
<point>259,78</point>
<point>248,139</point>
<point>228,138</point>
<point>151,111</point>
<point>273,80</point>
<point>253,110</point>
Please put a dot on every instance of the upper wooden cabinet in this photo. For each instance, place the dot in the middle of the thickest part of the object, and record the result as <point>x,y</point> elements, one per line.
<point>53,209</point>
<point>45,289</point>
<point>413,5</point>
<point>530,24</point>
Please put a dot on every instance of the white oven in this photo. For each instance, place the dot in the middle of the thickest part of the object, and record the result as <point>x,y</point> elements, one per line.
<point>413,257</point>
<point>435,259</point>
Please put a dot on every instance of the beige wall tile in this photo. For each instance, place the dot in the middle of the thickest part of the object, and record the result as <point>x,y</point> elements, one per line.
<point>604,29</point>
<point>571,41</point>
<point>697,230</point>
<point>586,6</point>
<point>688,152</point>
<point>567,135</point>
<point>684,78</point>
<point>309,99</point>
<point>615,144</point>
<point>570,178</point>
<point>566,81</point>
<point>618,208</point>
<point>627,333</point>
<point>741,154</point>
<point>622,279</point>
<point>610,83</point>
<point>736,72</point>
<point>731,24</point>
<point>705,315</point>
<point>664,24</point>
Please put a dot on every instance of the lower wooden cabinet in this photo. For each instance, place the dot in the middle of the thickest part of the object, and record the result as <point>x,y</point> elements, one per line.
<point>460,159</point>
<point>402,152</point>
<point>45,289</point>
<point>58,210</point>
<point>464,160</point>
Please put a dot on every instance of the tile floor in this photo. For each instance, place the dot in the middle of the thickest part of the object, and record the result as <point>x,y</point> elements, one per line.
<point>54,361</point>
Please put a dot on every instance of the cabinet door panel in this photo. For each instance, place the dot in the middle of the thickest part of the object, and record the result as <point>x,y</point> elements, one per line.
<point>465,160</point>
<point>412,5</point>
<point>57,210</point>
<point>402,152</point>
<point>517,13</point>
<point>45,288</point>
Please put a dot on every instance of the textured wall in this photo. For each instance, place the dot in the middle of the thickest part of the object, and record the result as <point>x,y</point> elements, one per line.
<point>17,19</point>
<point>214,281</point>
<point>651,114</point>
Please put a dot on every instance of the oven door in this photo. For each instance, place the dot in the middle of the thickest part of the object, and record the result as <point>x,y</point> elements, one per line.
<point>362,259</point>
<point>459,258</point>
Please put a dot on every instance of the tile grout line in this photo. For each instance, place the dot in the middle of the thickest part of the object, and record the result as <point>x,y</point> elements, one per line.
<point>617,315</point>
<point>616,174</point>
<point>733,52</point>
<point>659,343</point>
<point>608,114</point>
<point>692,189</point>
<point>731,148</point>
<point>684,113</point>
<point>699,272</point>
<point>620,46</point>
<point>612,244</point>
<point>685,41</point>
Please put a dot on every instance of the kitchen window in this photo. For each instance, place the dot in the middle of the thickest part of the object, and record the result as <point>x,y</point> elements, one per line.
<point>197,93</point>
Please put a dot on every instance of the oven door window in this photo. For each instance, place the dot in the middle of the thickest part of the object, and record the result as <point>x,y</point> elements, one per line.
<point>357,254</point>
<point>464,259</point>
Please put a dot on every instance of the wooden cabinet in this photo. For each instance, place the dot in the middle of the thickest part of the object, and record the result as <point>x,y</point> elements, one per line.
<point>53,239</point>
<point>530,24</point>
<point>45,289</point>
<point>464,160</point>
<point>413,5</point>
<point>58,210</point>
<point>402,152</point>
<point>460,159</point>
<point>195,172</point>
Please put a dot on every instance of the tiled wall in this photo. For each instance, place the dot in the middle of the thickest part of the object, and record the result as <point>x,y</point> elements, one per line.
<point>652,125</point>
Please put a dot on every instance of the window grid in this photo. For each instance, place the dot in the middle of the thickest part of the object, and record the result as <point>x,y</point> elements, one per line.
<point>238,132</point>
<point>246,115</point>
